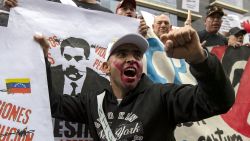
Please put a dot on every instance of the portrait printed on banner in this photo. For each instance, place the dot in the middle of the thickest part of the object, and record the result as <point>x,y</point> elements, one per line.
<point>74,74</point>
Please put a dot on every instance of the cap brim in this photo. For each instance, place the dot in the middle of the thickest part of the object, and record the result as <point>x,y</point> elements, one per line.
<point>243,31</point>
<point>135,39</point>
<point>238,31</point>
<point>216,12</point>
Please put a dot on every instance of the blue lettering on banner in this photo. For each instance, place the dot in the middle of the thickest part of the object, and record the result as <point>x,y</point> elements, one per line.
<point>181,69</point>
<point>156,45</point>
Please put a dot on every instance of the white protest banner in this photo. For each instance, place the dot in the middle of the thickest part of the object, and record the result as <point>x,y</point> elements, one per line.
<point>64,24</point>
<point>229,22</point>
<point>24,103</point>
<point>192,5</point>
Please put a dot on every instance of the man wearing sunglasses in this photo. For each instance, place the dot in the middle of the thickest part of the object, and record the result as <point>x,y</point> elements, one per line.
<point>72,76</point>
<point>210,36</point>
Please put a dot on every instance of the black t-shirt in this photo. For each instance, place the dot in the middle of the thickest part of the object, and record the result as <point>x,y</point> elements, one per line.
<point>212,39</point>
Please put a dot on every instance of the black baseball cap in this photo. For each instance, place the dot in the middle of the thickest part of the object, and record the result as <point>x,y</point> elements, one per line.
<point>212,9</point>
<point>236,30</point>
<point>125,2</point>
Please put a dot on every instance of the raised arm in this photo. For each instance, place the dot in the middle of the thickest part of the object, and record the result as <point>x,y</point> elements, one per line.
<point>184,43</point>
<point>212,95</point>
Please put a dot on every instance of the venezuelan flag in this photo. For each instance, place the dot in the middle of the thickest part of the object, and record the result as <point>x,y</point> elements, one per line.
<point>18,85</point>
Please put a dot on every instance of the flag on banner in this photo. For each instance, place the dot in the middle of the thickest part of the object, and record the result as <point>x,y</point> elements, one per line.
<point>18,85</point>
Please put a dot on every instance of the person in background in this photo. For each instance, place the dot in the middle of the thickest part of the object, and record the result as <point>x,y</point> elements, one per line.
<point>161,25</point>
<point>210,36</point>
<point>128,8</point>
<point>87,4</point>
<point>236,36</point>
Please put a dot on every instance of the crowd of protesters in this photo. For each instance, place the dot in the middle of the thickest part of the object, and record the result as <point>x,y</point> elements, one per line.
<point>206,99</point>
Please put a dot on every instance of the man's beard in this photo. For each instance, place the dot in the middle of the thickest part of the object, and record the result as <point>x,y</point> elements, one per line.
<point>72,73</point>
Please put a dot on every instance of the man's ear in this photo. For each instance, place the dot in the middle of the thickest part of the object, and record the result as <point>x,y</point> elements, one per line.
<point>106,68</point>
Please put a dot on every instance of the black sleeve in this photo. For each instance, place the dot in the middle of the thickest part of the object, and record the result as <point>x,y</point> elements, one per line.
<point>213,95</point>
<point>64,106</point>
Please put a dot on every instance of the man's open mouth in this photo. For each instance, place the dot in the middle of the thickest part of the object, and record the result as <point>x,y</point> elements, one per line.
<point>130,72</point>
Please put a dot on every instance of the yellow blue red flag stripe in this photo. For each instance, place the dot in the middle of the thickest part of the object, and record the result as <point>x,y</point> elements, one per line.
<point>18,85</point>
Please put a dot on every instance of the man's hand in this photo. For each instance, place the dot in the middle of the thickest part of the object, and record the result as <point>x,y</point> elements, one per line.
<point>43,43</point>
<point>232,41</point>
<point>143,28</point>
<point>184,43</point>
<point>247,44</point>
<point>189,19</point>
<point>10,3</point>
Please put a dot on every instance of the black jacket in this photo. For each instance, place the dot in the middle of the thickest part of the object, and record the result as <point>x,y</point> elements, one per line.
<point>212,39</point>
<point>152,111</point>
